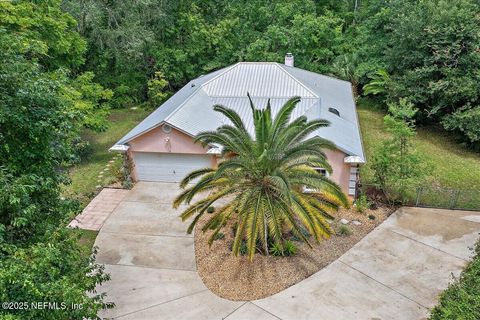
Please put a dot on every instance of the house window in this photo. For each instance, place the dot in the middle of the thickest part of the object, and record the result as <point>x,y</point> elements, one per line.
<point>323,172</point>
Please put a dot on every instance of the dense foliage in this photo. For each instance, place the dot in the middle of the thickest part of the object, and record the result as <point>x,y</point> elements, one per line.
<point>431,50</point>
<point>43,106</point>
<point>184,39</point>
<point>428,49</point>
<point>462,300</point>
<point>262,179</point>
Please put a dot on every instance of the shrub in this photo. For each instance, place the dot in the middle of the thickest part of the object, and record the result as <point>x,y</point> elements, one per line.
<point>304,232</point>
<point>243,248</point>
<point>344,230</point>
<point>127,168</point>
<point>288,248</point>
<point>124,97</point>
<point>211,209</point>
<point>276,250</point>
<point>52,271</point>
<point>82,150</point>
<point>461,299</point>
<point>362,203</point>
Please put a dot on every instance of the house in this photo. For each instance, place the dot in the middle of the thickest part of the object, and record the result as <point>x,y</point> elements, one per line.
<point>162,146</point>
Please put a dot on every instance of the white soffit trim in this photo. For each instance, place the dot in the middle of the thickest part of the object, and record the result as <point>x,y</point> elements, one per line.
<point>353,159</point>
<point>215,149</point>
<point>119,148</point>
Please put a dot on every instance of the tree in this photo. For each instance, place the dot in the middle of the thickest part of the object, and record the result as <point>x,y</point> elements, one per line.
<point>157,89</point>
<point>49,33</point>
<point>397,166</point>
<point>379,83</point>
<point>466,121</point>
<point>261,179</point>
<point>430,50</point>
<point>130,42</point>
<point>41,110</point>
<point>346,68</point>
<point>121,36</point>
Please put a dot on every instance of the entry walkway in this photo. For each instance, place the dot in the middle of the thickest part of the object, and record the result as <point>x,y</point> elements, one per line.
<point>99,209</point>
<point>395,272</point>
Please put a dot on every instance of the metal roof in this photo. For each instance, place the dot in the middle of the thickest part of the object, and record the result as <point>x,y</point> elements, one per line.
<point>191,108</point>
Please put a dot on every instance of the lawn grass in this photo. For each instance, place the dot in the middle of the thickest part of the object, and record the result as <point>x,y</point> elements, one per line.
<point>453,166</point>
<point>84,175</point>
<point>86,240</point>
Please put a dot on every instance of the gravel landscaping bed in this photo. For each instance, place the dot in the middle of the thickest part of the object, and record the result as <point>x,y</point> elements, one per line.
<point>235,278</point>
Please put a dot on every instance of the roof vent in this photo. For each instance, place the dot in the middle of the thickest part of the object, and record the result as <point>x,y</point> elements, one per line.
<point>166,128</point>
<point>334,111</point>
<point>289,61</point>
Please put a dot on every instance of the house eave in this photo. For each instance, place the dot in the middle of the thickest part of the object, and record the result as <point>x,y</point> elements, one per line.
<point>122,148</point>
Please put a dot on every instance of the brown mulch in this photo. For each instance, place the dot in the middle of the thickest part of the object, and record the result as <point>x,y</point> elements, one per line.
<point>235,278</point>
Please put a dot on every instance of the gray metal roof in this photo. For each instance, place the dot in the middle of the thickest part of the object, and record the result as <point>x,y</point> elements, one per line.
<point>191,108</point>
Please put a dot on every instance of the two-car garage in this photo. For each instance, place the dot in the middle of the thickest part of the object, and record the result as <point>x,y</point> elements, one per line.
<point>168,167</point>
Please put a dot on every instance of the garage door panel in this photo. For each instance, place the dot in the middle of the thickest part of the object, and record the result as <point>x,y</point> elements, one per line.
<point>167,167</point>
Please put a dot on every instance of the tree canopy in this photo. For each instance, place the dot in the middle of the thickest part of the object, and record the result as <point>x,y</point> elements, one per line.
<point>44,103</point>
<point>428,49</point>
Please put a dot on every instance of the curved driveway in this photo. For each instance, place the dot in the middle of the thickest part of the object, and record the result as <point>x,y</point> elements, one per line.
<point>395,272</point>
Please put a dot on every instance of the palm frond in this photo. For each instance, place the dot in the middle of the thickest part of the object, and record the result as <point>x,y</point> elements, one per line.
<point>231,115</point>
<point>260,177</point>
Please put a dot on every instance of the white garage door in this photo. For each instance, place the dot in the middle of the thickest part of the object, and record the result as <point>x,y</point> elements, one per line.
<point>168,167</point>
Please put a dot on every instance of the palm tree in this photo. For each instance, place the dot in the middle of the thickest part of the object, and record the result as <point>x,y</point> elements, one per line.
<point>261,179</point>
<point>345,67</point>
<point>379,83</point>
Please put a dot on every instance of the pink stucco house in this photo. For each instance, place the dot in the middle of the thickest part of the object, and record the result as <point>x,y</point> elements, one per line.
<point>161,147</point>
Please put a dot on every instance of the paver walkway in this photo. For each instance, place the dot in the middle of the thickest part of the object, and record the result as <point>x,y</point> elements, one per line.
<point>396,272</point>
<point>99,209</point>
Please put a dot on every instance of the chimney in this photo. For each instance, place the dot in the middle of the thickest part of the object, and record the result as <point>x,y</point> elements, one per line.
<point>289,60</point>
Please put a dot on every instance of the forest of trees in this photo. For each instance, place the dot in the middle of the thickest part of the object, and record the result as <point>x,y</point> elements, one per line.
<point>64,64</point>
<point>430,50</point>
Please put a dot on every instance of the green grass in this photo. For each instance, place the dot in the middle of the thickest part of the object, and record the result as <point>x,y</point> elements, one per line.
<point>84,175</point>
<point>87,240</point>
<point>453,165</point>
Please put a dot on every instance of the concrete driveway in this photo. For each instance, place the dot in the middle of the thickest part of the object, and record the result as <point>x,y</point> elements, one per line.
<point>396,272</point>
<point>152,261</point>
